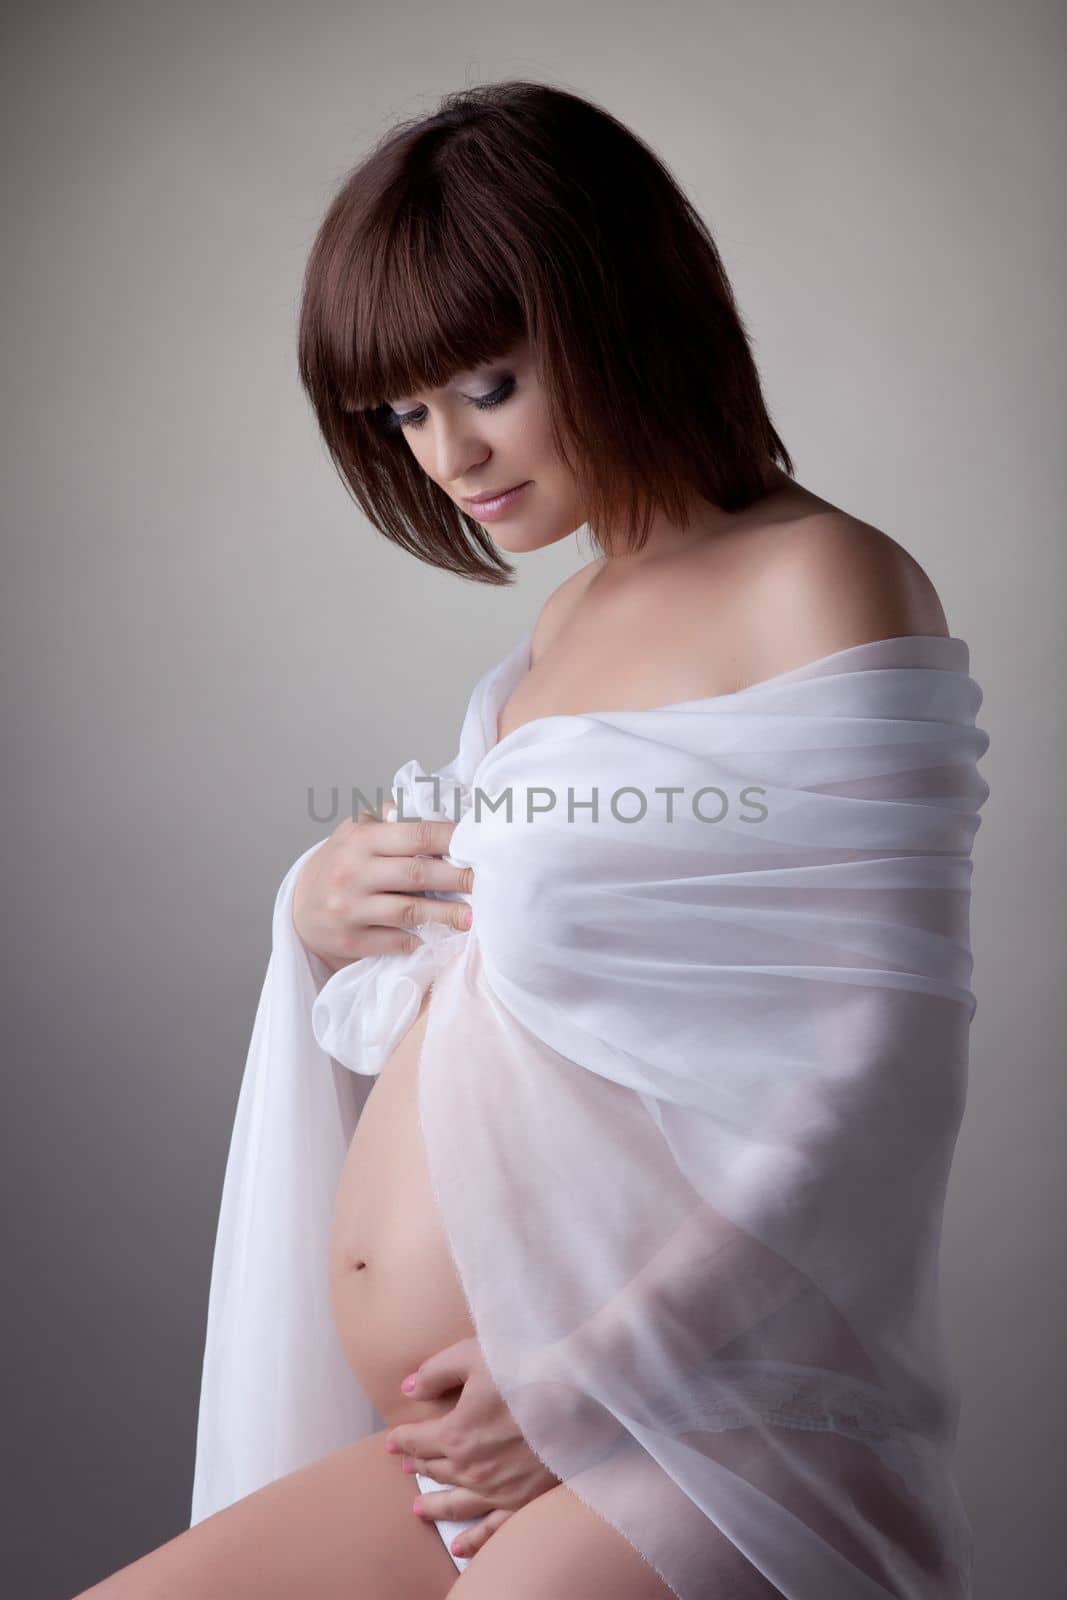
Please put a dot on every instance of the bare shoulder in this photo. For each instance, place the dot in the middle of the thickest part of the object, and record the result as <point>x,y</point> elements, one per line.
<point>828,581</point>
<point>559,605</point>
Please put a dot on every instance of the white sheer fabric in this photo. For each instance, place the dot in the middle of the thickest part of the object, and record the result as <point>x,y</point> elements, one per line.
<point>689,1089</point>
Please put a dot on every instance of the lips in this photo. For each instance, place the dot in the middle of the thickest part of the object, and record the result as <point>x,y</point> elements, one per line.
<point>495,494</point>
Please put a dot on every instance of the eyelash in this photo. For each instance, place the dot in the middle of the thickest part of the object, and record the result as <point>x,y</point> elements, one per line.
<point>396,422</point>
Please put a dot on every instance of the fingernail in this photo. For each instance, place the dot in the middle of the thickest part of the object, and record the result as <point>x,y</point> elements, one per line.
<point>390,1446</point>
<point>407,1467</point>
<point>409,1383</point>
<point>459,1548</point>
<point>468,917</point>
<point>417,1509</point>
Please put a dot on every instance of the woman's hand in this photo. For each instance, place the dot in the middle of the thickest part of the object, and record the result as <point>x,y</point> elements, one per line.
<point>478,1445</point>
<point>364,890</point>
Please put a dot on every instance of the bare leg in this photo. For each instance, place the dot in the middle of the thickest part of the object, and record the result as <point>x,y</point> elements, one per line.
<point>559,1544</point>
<point>556,1545</point>
<point>339,1529</point>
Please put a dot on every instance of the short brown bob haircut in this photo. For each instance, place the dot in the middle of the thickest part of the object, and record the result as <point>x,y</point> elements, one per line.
<point>515,210</point>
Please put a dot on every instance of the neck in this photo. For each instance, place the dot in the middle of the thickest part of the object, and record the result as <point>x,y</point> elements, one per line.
<point>668,540</point>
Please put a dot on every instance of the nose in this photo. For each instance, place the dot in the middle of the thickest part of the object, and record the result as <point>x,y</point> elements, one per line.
<point>457,449</point>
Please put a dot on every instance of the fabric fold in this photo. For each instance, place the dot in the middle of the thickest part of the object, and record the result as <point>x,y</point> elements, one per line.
<point>689,1090</point>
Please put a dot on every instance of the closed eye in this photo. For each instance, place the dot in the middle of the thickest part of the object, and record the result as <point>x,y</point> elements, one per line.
<point>395,421</point>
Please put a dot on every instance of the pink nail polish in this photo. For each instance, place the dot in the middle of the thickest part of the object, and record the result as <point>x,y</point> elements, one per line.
<point>409,1383</point>
<point>417,1510</point>
<point>407,1467</point>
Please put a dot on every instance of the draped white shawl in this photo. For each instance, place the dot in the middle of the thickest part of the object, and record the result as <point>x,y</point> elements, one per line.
<point>689,1089</point>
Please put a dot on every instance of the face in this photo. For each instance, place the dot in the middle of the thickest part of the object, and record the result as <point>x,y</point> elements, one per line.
<point>486,432</point>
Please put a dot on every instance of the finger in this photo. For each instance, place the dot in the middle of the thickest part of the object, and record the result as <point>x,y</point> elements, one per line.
<point>416,874</point>
<point>451,1505</point>
<point>381,942</point>
<point>439,1467</point>
<point>370,942</point>
<point>418,1441</point>
<point>421,837</point>
<point>408,911</point>
<point>473,1539</point>
<point>446,1369</point>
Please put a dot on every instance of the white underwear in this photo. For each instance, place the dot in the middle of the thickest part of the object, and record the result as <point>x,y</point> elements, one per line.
<point>447,1530</point>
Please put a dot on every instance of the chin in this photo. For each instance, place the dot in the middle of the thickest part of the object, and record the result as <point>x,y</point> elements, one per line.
<point>517,540</point>
<point>514,542</point>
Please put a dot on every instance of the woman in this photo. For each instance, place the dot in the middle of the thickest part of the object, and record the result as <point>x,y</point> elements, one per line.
<point>632,1248</point>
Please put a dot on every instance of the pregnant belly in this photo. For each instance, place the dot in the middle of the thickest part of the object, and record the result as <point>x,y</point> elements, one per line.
<point>396,1296</point>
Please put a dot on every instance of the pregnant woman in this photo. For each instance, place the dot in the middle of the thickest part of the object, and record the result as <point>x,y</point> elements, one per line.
<point>585,1190</point>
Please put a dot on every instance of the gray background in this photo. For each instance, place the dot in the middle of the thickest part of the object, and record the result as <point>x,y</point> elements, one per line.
<point>197,624</point>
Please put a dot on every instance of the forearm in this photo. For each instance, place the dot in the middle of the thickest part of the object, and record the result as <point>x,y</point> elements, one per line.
<point>648,1351</point>
<point>662,1347</point>
<point>708,1285</point>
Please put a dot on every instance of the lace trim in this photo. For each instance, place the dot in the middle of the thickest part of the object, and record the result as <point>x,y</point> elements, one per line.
<point>739,1393</point>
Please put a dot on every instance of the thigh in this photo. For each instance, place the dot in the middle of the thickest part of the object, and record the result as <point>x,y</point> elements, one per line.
<point>340,1528</point>
<point>557,1545</point>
